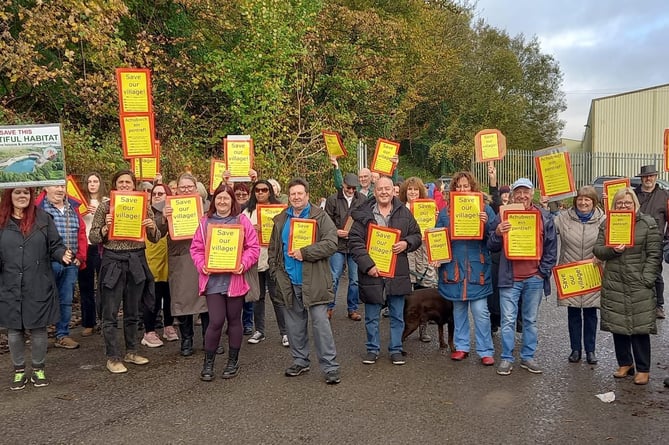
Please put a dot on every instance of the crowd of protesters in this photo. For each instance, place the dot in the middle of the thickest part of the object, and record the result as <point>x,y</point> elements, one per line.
<point>165,283</point>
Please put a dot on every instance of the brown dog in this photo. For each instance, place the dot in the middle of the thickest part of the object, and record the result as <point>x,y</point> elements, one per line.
<point>425,305</point>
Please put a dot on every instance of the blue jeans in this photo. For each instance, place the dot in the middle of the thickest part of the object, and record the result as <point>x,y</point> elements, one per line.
<point>247,315</point>
<point>337,268</point>
<point>479,308</point>
<point>584,328</point>
<point>66,277</point>
<point>372,316</point>
<point>531,290</point>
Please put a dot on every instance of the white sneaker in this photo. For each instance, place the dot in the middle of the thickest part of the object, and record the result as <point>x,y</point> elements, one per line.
<point>257,337</point>
<point>284,341</point>
<point>151,340</point>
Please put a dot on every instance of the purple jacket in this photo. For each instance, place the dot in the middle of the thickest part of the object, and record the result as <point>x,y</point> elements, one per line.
<point>250,253</point>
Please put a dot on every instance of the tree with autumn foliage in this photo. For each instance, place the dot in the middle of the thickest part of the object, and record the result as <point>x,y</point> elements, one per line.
<point>420,72</point>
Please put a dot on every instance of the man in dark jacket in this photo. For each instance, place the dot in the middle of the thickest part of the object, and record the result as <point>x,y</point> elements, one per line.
<point>653,201</point>
<point>338,207</point>
<point>304,282</point>
<point>526,279</point>
<point>387,211</point>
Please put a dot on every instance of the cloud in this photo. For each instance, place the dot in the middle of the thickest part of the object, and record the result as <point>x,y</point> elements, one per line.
<point>603,47</point>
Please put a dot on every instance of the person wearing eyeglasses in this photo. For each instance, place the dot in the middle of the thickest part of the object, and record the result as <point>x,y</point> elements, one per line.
<point>262,192</point>
<point>186,302</point>
<point>156,256</point>
<point>628,289</point>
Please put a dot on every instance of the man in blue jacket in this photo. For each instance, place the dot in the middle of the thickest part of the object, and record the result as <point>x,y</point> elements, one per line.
<point>528,279</point>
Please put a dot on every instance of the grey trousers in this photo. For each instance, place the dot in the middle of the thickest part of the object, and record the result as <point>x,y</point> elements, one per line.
<point>17,347</point>
<point>297,324</point>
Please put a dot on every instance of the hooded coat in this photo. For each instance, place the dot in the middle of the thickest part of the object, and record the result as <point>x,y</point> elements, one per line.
<point>28,292</point>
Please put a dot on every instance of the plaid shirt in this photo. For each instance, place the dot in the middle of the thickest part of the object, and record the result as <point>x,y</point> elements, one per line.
<point>67,223</point>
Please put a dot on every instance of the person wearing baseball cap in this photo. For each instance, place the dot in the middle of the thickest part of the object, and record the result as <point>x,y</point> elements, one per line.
<point>653,202</point>
<point>524,279</point>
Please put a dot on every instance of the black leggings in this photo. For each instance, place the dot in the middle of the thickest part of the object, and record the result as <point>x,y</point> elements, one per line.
<point>222,307</point>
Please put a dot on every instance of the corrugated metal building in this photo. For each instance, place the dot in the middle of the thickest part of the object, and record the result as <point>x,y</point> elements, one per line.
<point>632,122</point>
<point>627,126</point>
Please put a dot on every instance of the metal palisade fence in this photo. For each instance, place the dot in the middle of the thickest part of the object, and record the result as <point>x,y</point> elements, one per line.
<point>585,166</point>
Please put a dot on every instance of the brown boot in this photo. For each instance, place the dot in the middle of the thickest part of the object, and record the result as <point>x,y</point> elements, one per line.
<point>624,371</point>
<point>641,378</point>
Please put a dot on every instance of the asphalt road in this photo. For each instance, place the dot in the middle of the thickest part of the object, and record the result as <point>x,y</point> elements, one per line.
<point>429,400</point>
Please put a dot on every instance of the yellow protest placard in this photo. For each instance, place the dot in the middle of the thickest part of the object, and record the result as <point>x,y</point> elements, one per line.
<point>134,89</point>
<point>302,233</point>
<point>555,174</point>
<point>238,156</point>
<point>425,212</point>
<point>333,144</point>
<point>186,214</point>
<point>128,210</point>
<point>611,188</point>
<point>464,214</point>
<point>438,245</point>
<point>72,189</point>
<point>145,169</point>
<point>522,241</point>
<point>216,170</point>
<point>266,214</point>
<point>490,145</point>
<point>137,135</point>
<point>380,241</point>
<point>578,278</point>
<point>223,251</point>
<point>385,150</point>
<point>619,228</point>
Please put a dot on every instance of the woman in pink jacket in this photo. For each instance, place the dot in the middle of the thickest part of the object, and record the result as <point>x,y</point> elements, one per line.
<point>224,291</point>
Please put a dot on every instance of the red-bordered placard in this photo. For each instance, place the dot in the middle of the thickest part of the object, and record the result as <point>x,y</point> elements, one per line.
<point>438,245</point>
<point>128,210</point>
<point>302,233</point>
<point>73,190</point>
<point>134,90</point>
<point>577,278</point>
<point>666,150</point>
<point>464,214</point>
<point>522,242</point>
<point>334,144</point>
<point>556,178</point>
<point>238,155</point>
<point>216,170</point>
<point>185,217</point>
<point>611,187</point>
<point>380,241</point>
<point>145,169</point>
<point>138,135</point>
<point>425,211</point>
<point>619,228</point>
<point>223,249</point>
<point>381,163</point>
<point>490,145</point>
<point>265,218</point>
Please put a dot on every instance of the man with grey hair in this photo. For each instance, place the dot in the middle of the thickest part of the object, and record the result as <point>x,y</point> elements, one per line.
<point>653,201</point>
<point>526,279</point>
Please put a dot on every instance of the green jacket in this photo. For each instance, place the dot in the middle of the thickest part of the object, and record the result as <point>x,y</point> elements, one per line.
<point>316,276</point>
<point>628,286</point>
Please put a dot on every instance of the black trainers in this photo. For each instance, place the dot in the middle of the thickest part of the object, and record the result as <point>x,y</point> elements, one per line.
<point>296,370</point>
<point>332,377</point>
<point>19,381</point>
<point>397,358</point>
<point>370,358</point>
<point>39,378</point>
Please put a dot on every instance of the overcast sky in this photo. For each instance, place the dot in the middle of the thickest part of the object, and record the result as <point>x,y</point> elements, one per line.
<point>603,47</point>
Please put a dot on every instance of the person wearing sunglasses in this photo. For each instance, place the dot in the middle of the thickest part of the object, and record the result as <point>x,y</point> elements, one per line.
<point>262,192</point>
<point>156,256</point>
